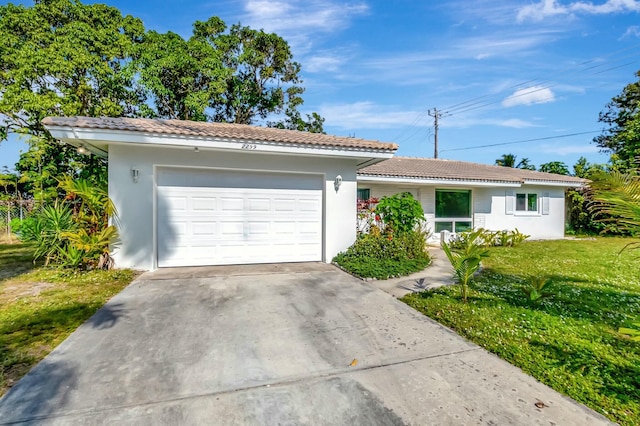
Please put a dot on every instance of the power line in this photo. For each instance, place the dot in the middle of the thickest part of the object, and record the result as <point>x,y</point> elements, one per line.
<point>474,101</point>
<point>525,92</point>
<point>521,141</point>
<point>487,100</point>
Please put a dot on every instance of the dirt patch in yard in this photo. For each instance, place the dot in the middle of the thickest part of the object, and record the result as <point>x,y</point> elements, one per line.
<point>17,290</point>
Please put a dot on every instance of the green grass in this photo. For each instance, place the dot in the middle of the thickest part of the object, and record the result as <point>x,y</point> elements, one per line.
<point>40,307</point>
<point>569,341</point>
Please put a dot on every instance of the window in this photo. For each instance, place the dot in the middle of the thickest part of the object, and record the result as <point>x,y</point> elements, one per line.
<point>453,210</point>
<point>364,194</point>
<point>453,203</point>
<point>527,203</point>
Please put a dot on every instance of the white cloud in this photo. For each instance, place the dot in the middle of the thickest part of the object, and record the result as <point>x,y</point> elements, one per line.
<point>465,122</point>
<point>632,31</point>
<point>559,149</point>
<point>367,114</point>
<point>324,62</point>
<point>515,123</point>
<point>298,21</point>
<point>529,96</point>
<point>549,8</point>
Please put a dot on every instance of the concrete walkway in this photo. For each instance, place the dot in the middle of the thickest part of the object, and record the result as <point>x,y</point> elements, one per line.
<point>437,274</point>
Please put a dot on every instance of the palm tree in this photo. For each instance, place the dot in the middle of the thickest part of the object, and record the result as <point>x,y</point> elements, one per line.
<point>618,195</point>
<point>525,164</point>
<point>507,160</point>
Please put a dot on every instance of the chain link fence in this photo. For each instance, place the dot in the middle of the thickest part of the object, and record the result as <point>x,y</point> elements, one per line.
<point>14,209</point>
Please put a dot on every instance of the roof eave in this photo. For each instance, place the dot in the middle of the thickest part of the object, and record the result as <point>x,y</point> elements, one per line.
<point>565,184</point>
<point>91,137</point>
<point>436,181</point>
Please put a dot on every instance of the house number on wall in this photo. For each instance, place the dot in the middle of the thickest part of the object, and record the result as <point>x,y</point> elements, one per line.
<point>249,146</point>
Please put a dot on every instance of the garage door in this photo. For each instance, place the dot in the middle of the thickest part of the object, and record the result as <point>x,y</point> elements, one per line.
<point>227,217</point>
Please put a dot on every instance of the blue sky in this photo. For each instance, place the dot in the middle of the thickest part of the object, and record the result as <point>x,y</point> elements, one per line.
<point>500,71</point>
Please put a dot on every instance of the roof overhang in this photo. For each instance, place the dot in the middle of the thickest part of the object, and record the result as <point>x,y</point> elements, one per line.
<point>463,182</point>
<point>435,181</point>
<point>554,183</point>
<point>97,141</point>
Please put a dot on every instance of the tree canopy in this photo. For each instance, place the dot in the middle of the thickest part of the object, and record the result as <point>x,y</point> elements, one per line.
<point>557,167</point>
<point>61,57</point>
<point>65,58</point>
<point>622,137</point>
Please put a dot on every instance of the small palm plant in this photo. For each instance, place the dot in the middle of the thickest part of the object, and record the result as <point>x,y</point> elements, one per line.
<point>466,259</point>
<point>535,288</point>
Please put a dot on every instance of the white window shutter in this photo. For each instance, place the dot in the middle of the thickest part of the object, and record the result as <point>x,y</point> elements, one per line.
<point>545,203</point>
<point>510,202</point>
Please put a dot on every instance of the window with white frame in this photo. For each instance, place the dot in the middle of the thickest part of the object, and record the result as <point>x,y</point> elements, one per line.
<point>453,210</point>
<point>527,202</point>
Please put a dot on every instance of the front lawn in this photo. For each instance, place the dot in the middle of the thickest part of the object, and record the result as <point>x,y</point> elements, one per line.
<point>569,341</point>
<point>40,307</point>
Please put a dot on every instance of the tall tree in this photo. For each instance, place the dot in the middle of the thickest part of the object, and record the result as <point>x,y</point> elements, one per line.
<point>525,164</point>
<point>622,137</point>
<point>506,160</point>
<point>237,76</point>
<point>264,78</point>
<point>182,77</point>
<point>60,57</point>
<point>509,160</point>
<point>557,167</point>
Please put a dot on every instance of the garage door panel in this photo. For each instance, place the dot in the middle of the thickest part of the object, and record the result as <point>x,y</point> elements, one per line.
<point>258,205</point>
<point>200,225</point>
<point>204,229</point>
<point>203,204</point>
<point>231,229</point>
<point>235,204</point>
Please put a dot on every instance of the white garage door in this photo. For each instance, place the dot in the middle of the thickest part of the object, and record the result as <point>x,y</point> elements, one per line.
<point>226,217</point>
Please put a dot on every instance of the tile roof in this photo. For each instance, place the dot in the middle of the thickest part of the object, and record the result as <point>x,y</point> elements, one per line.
<point>208,130</point>
<point>430,168</point>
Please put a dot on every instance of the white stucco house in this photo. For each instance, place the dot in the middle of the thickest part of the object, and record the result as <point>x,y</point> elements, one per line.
<point>193,193</point>
<point>457,196</point>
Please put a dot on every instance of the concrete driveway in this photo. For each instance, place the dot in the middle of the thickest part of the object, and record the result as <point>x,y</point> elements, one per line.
<point>274,345</point>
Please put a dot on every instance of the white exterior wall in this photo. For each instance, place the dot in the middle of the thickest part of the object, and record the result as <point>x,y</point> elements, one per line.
<point>489,207</point>
<point>135,202</point>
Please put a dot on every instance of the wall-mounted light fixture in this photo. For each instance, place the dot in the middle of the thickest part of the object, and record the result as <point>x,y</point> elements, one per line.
<point>135,174</point>
<point>337,182</point>
<point>196,149</point>
<point>83,150</point>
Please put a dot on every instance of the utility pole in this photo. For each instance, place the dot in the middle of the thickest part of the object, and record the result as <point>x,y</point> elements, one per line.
<point>436,115</point>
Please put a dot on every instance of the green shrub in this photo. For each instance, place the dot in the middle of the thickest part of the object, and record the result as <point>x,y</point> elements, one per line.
<point>400,213</point>
<point>488,238</point>
<point>46,229</point>
<point>385,256</point>
<point>74,233</point>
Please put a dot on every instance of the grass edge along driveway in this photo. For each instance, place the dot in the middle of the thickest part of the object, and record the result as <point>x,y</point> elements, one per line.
<point>568,341</point>
<point>40,307</point>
